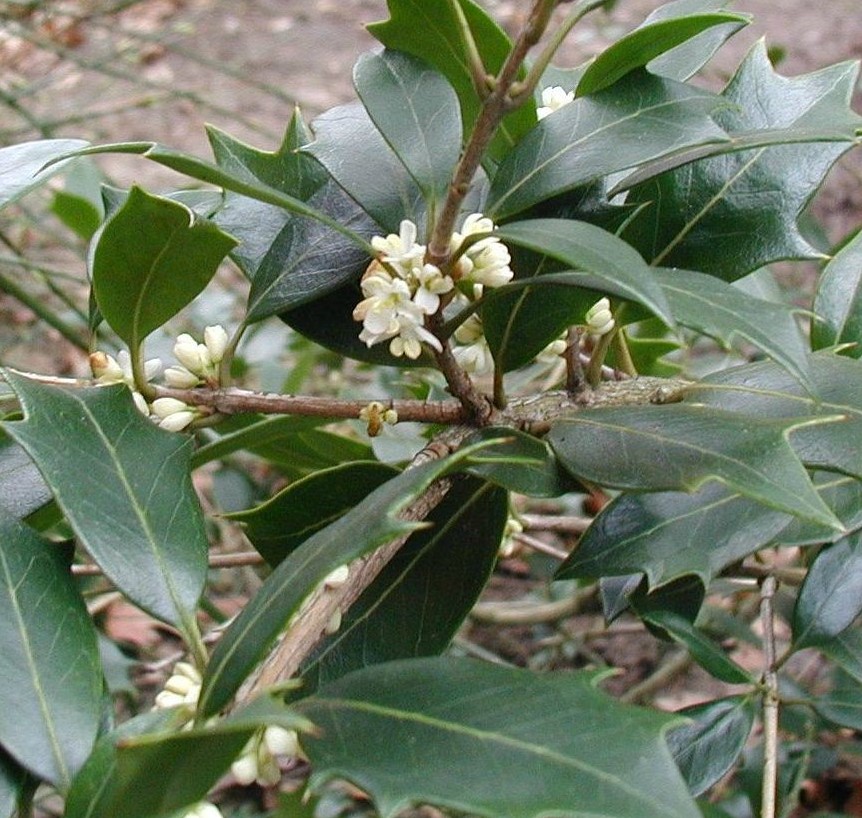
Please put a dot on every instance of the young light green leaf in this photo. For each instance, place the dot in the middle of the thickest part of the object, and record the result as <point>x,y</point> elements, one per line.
<point>769,391</point>
<point>719,215</point>
<point>281,524</point>
<point>151,259</point>
<point>680,447</point>
<point>645,43</point>
<point>367,526</point>
<point>565,748</point>
<point>50,677</point>
<point>831,596</point>
<point>641,118</point>
<point>838,301</point>
<point>125,489</point>
<point>420,599</point>
<point>22,167</point>
<point>706,749</point>
<point>355,154</point>
<point>709,305</point>
<point>415,110</point>
<point>430,30</point>
<point>663,535</point>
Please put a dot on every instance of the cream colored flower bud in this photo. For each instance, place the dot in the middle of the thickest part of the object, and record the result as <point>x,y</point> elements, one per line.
<point>152,368</point>
<point>281,742</point>
<point>336,578</point>
<point>181,378</point>
<point>105,368</point>
<point>177,421</point>
<point>390,416</point>
<point>189,671</point>
<point>164,407</point>
<point>599,318</point>
<point>188,352</point>
<point>204,810</point>
<point>141,404</point>
<point>181,685</point>
<point>334,623</point>
<point>244,769</point>
<point>216,340</point>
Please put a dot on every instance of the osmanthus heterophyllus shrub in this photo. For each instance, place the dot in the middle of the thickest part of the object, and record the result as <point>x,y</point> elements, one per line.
<point>538,239</point>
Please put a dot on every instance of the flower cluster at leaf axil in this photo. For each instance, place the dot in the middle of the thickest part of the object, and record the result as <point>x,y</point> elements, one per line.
<point>554,98</point>
<point>198,363</point>
<point>259,760</point>
<point>401,289</point>
<point>599,318</point>
<point>182,689</point>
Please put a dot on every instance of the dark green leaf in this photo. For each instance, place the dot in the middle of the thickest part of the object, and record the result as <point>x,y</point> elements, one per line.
<point>843,704</point>
<point>356,156</point>
<point>731,214</point>
<point>13,781</point>
<point>419,600</point>
<point>520,463</point>
<point>687,59</point>
<point>707,749</point>
<point>729,315</point>
<point>277,527</point>
<point>641,118</point>
<point>367,526</point>
<point>429,29</point>
<point>646,43</point>
<point>702,649</point>
<point>845,648</point>
<point>768,391</point>
<point>307,452</point>
<point>50,676</point>
<point>125,489</point>
<point>843,495</point>
<point>831,596</point>
<point>22,167</point>
<point>682,597</point>
<point>151,259</point>
<point>77,213</point>
<point>838,302</point>
<point>145,775</point>
<point>416,111</point>
<point>22,489</point>
<point>680,447</point>
<point>493,741</point>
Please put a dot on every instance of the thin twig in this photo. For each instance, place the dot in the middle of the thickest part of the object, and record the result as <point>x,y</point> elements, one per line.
<point>90,569</point>
<point>770,700</point>
<point>541,547</point>
<point>559,523</point>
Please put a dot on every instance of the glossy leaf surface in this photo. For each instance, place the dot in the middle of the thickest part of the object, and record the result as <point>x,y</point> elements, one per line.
<point>681,447</point>
<point>701,215</point>
<point>420,599</point>
<point>768,391</point>
<point>22,167</point>
<point>707,749</point>
<point>641,118</point>
<point>831,596</point>
<point>838,301</point>
<point>138,516</point>
<point>278,526</point>
<point>429,29</point>
<point>50,676</point>
<point>566,748</point>
<point>22,488</point>
<point>730,315</point>
<point>416,111</point>
<point>367,526</point>
<point>151,259</point>
<point>646,43</point>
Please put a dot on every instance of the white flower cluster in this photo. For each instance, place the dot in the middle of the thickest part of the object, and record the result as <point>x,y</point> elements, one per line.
<point>485,262</point>
<point>554,98</point>
<point>473,353</point>
<point>599,318</point>
<point>197,362</point>
<point>259,758</point>
<point>182,689</point>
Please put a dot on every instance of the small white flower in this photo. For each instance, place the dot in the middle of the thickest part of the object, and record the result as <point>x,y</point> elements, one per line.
<point>244,769</point>
<point>281,742</point>
<point>204,810</point>
<point>401,249</point>
<point>177,421</point>
<point>258,760</point>
<point>181,378</point>
<point>411,335</point>
<point>105,368</point>
<point>182,688</point>
<point>216,341</point>
<point>475,358</point>
<point>509,545</point>
<point>141,403</point>
<point>599,319</point>
<point>485,263</point>
<point>552,351</point>
<point>336,578</point>
<point>164,407</point>
<point>554,98</point>
<point>431,284</point>
<point>188,352</point>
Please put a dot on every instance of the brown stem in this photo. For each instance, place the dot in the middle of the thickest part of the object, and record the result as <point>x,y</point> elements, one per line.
<point>770,700</point>
<point>89,569</point>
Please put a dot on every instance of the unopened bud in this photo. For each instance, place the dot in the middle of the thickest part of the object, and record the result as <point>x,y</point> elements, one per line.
<point>599,319</point>
<point>188,352</point>
<point>216,340</point>
<point>105,368</point>
<point>181,378</point>
<point>164,407</point>
<point>336,578</point>
<point>334,623</point>
<point>177,421</point>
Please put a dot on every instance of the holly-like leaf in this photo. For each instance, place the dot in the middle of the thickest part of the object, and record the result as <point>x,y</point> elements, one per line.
<point>420,599</point>
<point>670,534</point>
<point>843,495</point>
<point>22,489</point>
<point>731,214</point>
<point>831,596</point>
<point>430,30</point>
<point>680,447</point>
<point>50,677</point>
<point>125,489</point>
<point>728,314</point>
<point>151,259</point>
<point>367,526</point>
<point>278,526</point>
<point>766,390</point>
<point>493,741</point>
<point>356,155</point>
<point>838,302</point>
<point>647,42</point>
<point>641,118</point>
<point>416,111</point>
<point>140,771</point>
<point>706,749</point>
<point>22,167</point>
